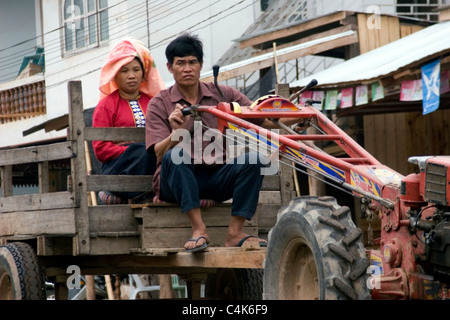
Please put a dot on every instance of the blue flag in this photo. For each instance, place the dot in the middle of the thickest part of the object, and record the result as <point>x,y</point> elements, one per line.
<point>430,86</point>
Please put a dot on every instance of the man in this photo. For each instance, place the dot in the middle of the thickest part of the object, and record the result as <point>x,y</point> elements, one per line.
<point>186,183</point>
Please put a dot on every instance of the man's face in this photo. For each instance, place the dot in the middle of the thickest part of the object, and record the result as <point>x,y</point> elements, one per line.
<point>186,70</point>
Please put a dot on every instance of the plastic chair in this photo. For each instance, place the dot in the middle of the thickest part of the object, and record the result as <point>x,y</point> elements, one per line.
<point>180,289</point>
<point>136,286</point>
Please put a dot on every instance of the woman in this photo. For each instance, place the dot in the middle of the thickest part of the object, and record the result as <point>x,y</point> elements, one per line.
<point>128,81</point>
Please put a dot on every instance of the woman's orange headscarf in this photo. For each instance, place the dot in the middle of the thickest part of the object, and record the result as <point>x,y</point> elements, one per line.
<point>122,53</point>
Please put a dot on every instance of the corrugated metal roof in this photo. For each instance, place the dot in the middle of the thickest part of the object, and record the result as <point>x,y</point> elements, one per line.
<point>280,14</point>
<point>386,60</point>
<point>280,53</point>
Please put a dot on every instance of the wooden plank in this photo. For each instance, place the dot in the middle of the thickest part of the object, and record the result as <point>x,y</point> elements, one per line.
<point>44,179</point>
<point>394,29</point>
<point>112,218</point>
<point>79,168</point>
<point>144,183</point>
<point>52,246</point>
<point>363,33</point>
<point>114,134</point>
<point>215,258</point>
<point>45,201</point>
<point>38,222</point>
<point>113,245</point>
<point>285,32</point>
<point>144,261</point>
<point>54,151</point>
<point>119,183</point>
<point>269,197</point>
<point>6,180</point>
<point>172,217</point>
<point>267,216</point>
<point>271,182</point>
<point>176,237</point>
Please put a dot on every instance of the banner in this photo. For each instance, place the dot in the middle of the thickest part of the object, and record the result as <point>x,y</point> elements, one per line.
<point>430,86</point>
<point>377,91</point>
<point>347,98</point>
<point>362,95</point>
<point>331,100</point>
<point>411,90</point>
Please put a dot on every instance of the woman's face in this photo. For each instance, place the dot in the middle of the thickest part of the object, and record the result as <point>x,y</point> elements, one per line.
<point>129,78</point>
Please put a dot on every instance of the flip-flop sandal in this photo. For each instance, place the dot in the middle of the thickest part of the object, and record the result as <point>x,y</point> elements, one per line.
<point>198,248</point>
<point>261,243</point>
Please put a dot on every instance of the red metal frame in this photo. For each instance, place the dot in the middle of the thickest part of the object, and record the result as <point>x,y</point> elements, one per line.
<point>358,169</point>
<point>401,275</point>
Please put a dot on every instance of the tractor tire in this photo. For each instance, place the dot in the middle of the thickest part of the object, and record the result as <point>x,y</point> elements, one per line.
<point>315,252</point>
<point>21,276</point>
<point>235,284</point>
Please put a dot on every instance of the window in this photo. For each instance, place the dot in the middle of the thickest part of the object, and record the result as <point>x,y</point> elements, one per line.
<point>85,23</point>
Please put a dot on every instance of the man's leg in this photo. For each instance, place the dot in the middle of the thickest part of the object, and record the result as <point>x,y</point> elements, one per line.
<point>199,233</point>
<point>179,185</point>
<point>241,181</point>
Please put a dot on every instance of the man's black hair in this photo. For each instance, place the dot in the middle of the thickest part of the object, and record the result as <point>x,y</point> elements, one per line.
<point>185,45</point>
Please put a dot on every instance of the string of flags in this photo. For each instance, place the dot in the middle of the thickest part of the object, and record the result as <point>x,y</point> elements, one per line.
<point>432,84</point>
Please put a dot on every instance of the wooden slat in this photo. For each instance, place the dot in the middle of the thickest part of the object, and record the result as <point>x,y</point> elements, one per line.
<point>99,182</point>
<point>54,151</point>
<point>79,168</point>
<point>114,134</point>
<point>176,237</point>
<point>6,180</point>
<point>45,201</point>
<point>172,217</point>
<point>112,218</point>
<point>102,246</point>
<point>38,222</point>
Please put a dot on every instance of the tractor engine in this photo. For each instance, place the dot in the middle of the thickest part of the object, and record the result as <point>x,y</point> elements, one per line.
<point>434,191</point>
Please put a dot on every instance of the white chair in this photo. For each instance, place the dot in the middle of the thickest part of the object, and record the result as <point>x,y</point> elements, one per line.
<point>136,286</point>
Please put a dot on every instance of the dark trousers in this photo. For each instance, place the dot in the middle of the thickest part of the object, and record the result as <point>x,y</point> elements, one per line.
<point>135,160</point>
<point>187,183</point>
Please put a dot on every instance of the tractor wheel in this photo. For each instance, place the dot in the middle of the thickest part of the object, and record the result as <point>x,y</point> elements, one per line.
<point>21,277</point>
<point>235,284</point>
<point>315,252</point>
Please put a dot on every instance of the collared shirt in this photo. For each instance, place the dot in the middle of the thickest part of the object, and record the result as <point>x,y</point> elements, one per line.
<point>163,104</point>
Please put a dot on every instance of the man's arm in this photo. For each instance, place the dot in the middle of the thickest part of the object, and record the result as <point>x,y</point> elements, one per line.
<point>177,121</point>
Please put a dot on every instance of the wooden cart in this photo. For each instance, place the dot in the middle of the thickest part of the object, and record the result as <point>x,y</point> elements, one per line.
<point>43,234</point>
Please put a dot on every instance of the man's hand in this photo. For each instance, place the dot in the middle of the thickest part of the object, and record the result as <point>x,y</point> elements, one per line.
<point>177,120</point>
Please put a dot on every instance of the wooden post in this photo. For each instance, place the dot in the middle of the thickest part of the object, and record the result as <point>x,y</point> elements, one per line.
<point>6,180</point>
<point>165,287</point>
<point>90,287</point>
<point>286,175</point>
<point>81,245</point>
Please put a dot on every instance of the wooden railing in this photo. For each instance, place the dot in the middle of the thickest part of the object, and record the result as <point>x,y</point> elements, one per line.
<point>22,102</point>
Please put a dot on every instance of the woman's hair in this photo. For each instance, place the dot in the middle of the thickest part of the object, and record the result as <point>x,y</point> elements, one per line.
<point>142,64</point>
<point>185,45</point>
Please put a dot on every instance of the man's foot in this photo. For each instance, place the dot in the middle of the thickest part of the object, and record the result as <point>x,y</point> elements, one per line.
<point>238,241</point>
<point>196,244</point>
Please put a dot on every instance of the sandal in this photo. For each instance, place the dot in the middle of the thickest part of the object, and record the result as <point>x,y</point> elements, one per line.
<point>200,247</point>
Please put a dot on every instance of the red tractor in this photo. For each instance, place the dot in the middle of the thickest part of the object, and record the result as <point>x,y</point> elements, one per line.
<point>315,249</point>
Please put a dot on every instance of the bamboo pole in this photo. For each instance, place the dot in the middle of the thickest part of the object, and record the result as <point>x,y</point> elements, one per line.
<point>93,198</point>
<point>294,172</point>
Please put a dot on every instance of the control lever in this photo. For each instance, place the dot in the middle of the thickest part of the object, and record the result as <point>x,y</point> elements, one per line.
<point>311,84</point>
<point>186,111</point>
<point>216,74</point>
